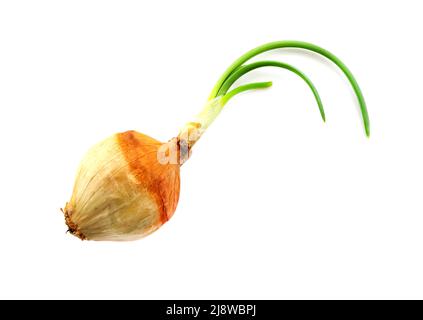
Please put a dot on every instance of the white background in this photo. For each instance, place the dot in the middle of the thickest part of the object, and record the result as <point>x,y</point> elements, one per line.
<point>274,203</point>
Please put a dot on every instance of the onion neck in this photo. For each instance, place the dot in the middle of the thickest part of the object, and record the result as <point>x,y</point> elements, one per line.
<point>192,131</point>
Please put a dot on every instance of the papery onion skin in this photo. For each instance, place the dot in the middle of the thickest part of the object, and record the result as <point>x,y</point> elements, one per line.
<point>122,192</point>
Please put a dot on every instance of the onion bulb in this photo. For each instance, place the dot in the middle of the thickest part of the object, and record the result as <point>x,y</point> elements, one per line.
<point>127,186</point>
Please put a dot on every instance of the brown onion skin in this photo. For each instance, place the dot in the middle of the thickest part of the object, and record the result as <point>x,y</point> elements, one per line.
<point>162,180</point>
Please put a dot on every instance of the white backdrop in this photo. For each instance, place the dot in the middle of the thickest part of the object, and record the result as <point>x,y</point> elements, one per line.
<point>274,203</point>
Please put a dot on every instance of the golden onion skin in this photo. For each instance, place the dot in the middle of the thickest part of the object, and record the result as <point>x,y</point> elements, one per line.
<point>122,191</point>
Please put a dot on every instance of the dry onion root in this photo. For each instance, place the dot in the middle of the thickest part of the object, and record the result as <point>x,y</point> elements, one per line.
<point>127,186</point>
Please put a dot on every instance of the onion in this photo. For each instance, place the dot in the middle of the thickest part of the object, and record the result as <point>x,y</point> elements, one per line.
<point>127,186</point>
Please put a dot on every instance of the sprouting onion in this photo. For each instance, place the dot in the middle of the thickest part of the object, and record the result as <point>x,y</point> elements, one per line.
<point>128,185</point>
